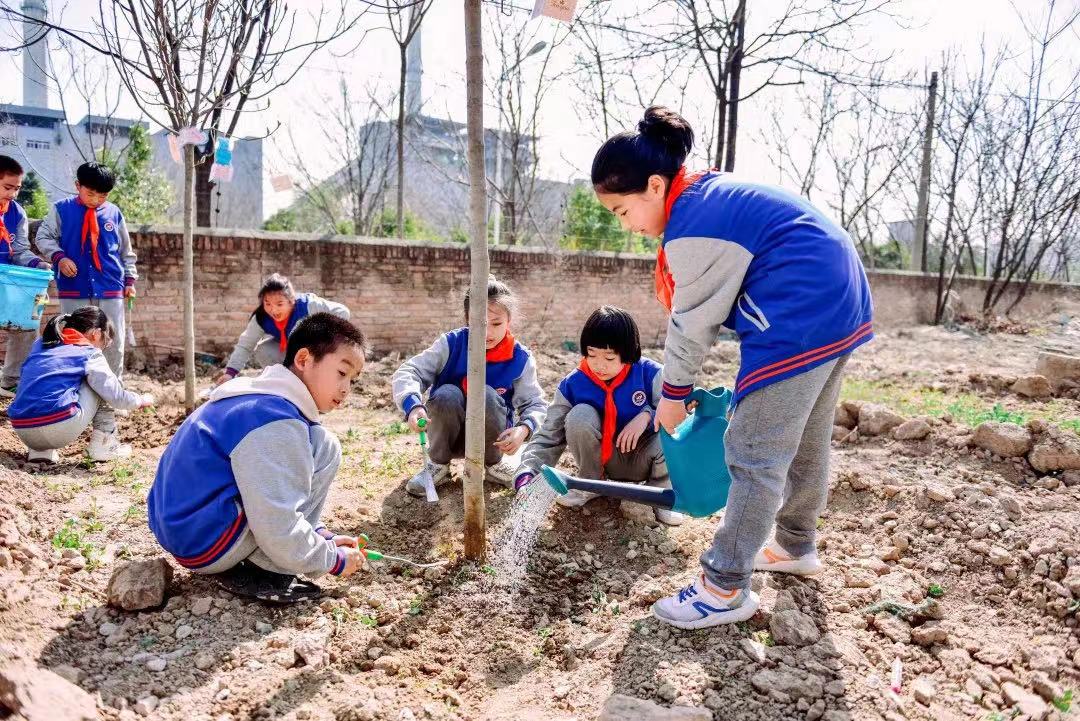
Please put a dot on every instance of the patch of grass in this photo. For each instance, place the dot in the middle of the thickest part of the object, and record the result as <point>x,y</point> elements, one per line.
<point>488,569</point>
<point>70,535</point>
<point>91,522</point>
<point>1072,424</point>
<point>1063,702</point>
<point>369,621</point>
<point>416,606</point>
<point>545,632</point>
<point>135,513</point>
<point>935,591</point>
<point>396,428</point>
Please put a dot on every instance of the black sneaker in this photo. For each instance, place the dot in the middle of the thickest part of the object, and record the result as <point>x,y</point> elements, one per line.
<point>249,581</point>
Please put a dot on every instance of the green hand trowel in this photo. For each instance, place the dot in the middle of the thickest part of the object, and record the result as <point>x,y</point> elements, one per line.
<point>695,460</point>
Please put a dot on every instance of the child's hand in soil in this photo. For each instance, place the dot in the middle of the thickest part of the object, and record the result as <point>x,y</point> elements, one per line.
<point>510,440</point>
<point>415,415</point>
<point>354,561</point>
<point>67,267</point>
<point>669,414</point>
<point>631,434</point>
<point>146,400</point>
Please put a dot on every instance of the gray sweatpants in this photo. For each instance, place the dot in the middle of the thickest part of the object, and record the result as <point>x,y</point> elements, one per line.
<point>58,435</point>
<point>446,434</point>
<point>327,452</point>
<point>19,343</point>
<point>777,450</point>
<point>645,463</point>
<point>114,353</point>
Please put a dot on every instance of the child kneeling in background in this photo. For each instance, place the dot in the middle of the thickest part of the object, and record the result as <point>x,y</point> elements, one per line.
<point>241,486</point>
<point>67,385</point>
<point>604,412</point>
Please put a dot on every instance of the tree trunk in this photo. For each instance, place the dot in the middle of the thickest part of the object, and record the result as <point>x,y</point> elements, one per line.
<point>203,194</point>
<point>401,148</point>
<point>721,115</point>
<point>475,523</point>
<point>189,278</point>
<point>734,77</point>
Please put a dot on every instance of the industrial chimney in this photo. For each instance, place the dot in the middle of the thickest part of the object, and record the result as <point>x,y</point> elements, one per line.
<point>35,56</point>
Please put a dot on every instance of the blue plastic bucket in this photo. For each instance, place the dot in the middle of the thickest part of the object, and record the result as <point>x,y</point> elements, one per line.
<point>23,296</point>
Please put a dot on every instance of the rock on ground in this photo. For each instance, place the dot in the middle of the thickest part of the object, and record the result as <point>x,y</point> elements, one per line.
<point>1056,450</point>
<point>626,708</point>
<point>877,420</point>
<point>793,628</point>
<point>1058,367</point>
<point>1033,387</point>
<point>914,430</point>
<point>1028,703</point>
<point>795,683</point>
<point>139,584</point>
<point>1003,439</point>
<point>845,417</point>
<point>37,694</point>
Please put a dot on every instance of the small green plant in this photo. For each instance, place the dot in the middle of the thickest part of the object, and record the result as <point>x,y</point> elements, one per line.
<point>416,606</point>
<point>820,523</point>
<point>147,641</point>
<point>134,513</point>
<point>369,621</point>
<point>396,428</point>
<point>86,464</point>
<point>763,637</point>
<point>68,536</point>
<point>935,591</point>
<point>1064,702</point>
<point>488,569</point>
<point>546,632</point>
<point>1072,424</point>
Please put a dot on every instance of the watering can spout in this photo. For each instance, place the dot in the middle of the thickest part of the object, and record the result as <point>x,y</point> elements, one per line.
<point>562,483</point>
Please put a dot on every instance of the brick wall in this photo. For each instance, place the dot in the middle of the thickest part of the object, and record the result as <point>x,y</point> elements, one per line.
<point>403,295</point>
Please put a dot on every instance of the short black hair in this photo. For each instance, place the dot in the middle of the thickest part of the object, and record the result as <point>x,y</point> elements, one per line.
<point>321,334</point>
<point>10,166</point>
<point>612,328</point>
<point>96,176</point>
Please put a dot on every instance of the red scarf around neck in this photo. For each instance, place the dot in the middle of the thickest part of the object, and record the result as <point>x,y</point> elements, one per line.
<point>283,341</point>
<point>5,236</point>
<point>502,352</point>
<point>607,433</point>
<point>90,229</point>
<point>70,336</point>
<point>665,283</point>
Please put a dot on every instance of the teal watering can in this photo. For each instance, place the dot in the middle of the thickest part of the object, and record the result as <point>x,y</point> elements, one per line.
<point>695,461</point>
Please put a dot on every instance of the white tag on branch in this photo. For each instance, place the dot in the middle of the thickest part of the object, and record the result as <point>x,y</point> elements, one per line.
<point>559,9</point>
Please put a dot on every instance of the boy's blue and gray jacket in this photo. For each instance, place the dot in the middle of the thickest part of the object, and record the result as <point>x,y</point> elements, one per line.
<point>306,304</point>
<point>767,264</point>
<point>244,459</point>
<point>18,253</point>
<point>59,237</point>
<point>640,391</point>
<point>51,377</point>
<point>446,362</point>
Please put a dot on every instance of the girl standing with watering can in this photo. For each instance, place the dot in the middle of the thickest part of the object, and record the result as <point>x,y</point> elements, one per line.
<point>767,264</point>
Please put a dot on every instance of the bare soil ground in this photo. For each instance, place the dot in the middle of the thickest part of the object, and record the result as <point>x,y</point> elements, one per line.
<point>977,555</point>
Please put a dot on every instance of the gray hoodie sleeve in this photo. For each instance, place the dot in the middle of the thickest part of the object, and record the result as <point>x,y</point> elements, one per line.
<point>708,277</point>
<point>321,305</point>
<point>546,446</point>
<point>413,377</point>
<point>274,466</point>
<point>48,235</point>
<point>103,381</point>
<point>245,346</point>
<point>20,246</point>
<point>127,253</point>
<point>529,401</point>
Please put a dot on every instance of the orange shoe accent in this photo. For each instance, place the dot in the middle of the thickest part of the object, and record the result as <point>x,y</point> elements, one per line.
<point>774,557</point>
<point>716,591</point>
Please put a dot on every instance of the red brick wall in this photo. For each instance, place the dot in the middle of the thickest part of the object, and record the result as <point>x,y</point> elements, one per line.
<point>403,295</point>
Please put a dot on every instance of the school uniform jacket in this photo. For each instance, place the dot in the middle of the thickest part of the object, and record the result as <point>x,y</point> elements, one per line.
<point>60,236</point>
<point>447,361</point>
<point>639,391</point>
<point>244,459</point>
<point>306,304</point>
<point>767,264</point>
<point>51,377</point>
<point>18,251</point>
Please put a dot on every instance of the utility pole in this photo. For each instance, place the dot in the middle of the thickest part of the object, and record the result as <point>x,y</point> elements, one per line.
<point>476,394</point>
<point>922,222</point>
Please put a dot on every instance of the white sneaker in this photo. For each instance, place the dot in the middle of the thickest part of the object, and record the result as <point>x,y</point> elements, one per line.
<point>774,558</point>
<point>504,472</point>
<point>8,391</point>
<point>106,447</point>
<point>669,517</point>
<point>700,605</point>
<point>438,472</point>
<point>575,498</point>
<point>50,456</point>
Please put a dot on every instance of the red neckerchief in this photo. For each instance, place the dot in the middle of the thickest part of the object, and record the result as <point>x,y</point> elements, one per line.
<point>607,434</point>
<point>663,280</point>
<point>90,227</point>
<point>70,336</point>
<point>5,236</point>
<point>502,352</point>
<point>283,342</point>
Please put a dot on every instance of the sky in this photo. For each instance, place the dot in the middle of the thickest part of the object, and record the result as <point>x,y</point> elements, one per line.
<point>568,139</point>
